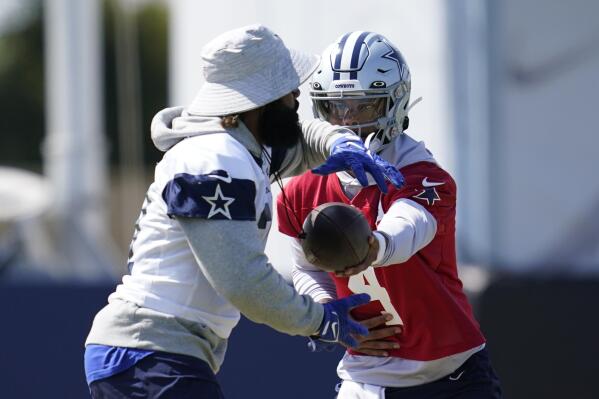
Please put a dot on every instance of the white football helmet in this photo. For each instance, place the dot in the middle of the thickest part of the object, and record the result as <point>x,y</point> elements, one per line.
<point>363,83</point>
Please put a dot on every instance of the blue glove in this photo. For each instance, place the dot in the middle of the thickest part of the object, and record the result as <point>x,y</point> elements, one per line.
<point>318,346</point>
<point>390,171</point>
<point>337,324</point>
<point>349,154</point>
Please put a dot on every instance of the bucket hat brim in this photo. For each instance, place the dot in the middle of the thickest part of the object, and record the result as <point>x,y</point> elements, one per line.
<point>255,90</point>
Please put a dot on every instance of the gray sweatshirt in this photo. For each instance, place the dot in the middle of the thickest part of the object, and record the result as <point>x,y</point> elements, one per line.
<point>198,260</point>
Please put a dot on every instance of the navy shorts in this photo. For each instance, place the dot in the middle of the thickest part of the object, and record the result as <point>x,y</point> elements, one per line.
<point>475,379</point>
<point>161,376</point>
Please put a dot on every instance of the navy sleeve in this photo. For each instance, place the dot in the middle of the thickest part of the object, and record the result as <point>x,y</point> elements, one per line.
<point>214,195</point>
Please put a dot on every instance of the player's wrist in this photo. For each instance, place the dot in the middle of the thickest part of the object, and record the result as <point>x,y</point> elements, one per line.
<point>341,134</point>
<point>329,324</point>
<point>348,142</point>
<point>317,332</point>
<point>382,240</point>
<point>324,299</point>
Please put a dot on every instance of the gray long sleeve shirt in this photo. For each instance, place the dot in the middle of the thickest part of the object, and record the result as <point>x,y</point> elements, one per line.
<point>197,258</point>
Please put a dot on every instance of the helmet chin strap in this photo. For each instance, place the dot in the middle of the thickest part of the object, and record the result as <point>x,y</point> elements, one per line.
<point>375,142</point>
<point>416,101</point>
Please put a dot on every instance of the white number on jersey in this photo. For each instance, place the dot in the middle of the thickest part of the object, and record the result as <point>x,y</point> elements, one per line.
<point>366,282</point>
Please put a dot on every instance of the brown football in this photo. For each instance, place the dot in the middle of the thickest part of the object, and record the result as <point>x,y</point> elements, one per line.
<point>336,236</point>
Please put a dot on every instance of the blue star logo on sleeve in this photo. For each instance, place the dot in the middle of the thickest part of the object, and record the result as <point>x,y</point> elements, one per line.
<point>429,195</point>
<point>213,195</point>
<point>219,203</point>
<point>429,192</point>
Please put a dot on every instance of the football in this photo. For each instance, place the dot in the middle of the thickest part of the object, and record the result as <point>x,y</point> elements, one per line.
<point>336,236</point>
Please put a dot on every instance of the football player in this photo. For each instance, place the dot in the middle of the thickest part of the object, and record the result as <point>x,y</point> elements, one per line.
<point>197,256</point>
<point>435,348</point>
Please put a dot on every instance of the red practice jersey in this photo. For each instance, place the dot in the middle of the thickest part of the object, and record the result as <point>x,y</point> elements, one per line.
<point>424,293</point>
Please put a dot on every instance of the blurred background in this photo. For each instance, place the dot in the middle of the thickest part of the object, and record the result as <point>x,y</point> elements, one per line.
<point>509,107</point>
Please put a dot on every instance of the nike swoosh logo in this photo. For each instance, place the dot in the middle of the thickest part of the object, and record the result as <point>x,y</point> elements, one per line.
<point>333,326</point>
<point>227,179</point>
<point>456,377</point>
<point>426,183</point>
<point>326,328</point>
<point>335,330</point>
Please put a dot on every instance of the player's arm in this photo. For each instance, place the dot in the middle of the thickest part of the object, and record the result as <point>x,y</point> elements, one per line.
<point>335,148</point>
<point>405,229</point>
<point>314,147</point>
<point>231,257</point>
<point>307,278</point>
<point>227,247</point>
<point>312,281</point>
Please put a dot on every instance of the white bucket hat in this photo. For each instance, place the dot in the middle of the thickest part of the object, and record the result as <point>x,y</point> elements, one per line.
<point>247,68</point>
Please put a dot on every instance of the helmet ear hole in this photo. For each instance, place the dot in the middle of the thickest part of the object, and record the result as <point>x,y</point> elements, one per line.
<point>406,123</point>
<point>378,84</point>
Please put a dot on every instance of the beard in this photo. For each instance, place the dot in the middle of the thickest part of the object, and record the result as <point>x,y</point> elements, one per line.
<point>279,125</point>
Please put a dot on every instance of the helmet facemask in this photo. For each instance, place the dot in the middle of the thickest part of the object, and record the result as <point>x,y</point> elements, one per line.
<point>371,114</point>
<point>360,113</point>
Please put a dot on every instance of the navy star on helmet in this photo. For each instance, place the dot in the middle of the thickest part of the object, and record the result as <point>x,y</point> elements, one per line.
<point>364,66</point>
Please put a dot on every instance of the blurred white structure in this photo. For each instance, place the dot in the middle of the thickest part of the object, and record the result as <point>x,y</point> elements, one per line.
<point>544,135</point>
<point>525,104</point>
<point>24,197</point>
<point>75,148</point>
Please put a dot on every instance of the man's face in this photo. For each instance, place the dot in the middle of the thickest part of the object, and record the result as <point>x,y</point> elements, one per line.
<point>279,123</point>
<point>353,112</point>
<point>290,99</point>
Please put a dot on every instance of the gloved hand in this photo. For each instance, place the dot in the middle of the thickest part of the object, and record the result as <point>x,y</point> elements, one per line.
<point>389,171</point>
<point>318,346</point>
<point>337,324</point>
<point>351,154</point>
